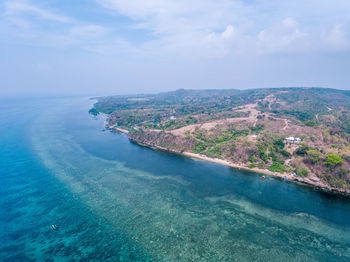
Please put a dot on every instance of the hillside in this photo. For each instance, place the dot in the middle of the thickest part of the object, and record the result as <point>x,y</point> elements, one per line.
<point>300,133</point>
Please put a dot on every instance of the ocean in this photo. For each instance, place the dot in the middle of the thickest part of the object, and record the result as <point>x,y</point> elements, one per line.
<point>72,191</point>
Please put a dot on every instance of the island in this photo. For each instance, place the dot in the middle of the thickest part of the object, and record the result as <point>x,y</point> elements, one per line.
<point>297,134</point>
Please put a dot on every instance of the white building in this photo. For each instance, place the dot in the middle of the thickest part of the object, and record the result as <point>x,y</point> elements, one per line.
<point>292,139</point>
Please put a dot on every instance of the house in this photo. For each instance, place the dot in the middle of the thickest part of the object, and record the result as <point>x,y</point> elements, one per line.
<point>292,139</point>
<point>172,118</point>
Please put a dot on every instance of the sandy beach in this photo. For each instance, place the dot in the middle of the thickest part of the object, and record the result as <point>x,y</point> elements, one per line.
<point>116,128</point>
<point>121,130</point>
<point>230,164</point>
<point>287,176</point>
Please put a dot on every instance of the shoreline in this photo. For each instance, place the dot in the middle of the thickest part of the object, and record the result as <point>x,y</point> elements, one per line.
<point>289,177</point>
<point>284,176</point>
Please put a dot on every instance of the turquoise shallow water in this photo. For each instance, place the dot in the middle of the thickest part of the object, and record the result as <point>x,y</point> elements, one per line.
<point>116,201</point>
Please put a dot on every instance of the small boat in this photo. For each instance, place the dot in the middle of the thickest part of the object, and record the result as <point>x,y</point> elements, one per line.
<point>262,178</point>
<point>53,227</point>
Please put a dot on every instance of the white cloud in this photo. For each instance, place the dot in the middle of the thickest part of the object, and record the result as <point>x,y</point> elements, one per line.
<point>192,28</point>
<point>197,27</point>
<point>282,37</point>
<point>19,22</point>
<point>188,26</point>
<point>28,21</point>
<point>168,16</point>
<point>88,31</point>
<point>222,43</point>
<point>229,32</point>
<point>335,38</point>
<point>14,8</point>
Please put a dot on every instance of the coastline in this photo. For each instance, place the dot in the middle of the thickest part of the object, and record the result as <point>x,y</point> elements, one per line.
<point>285,176</point>
<point>304,181</point>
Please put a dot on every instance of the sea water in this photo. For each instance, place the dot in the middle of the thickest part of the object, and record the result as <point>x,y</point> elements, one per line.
<point>113,200</point>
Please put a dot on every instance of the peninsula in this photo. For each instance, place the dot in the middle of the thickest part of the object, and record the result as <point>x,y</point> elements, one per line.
<point>298,134</point>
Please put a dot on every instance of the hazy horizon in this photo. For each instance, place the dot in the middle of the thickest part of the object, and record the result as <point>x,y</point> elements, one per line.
<point>106,47</point>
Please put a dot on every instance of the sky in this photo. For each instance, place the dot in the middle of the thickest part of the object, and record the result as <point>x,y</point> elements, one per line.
<point>104,47</point>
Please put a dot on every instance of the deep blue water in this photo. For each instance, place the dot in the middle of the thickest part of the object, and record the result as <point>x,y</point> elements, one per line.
<point>113,200</point>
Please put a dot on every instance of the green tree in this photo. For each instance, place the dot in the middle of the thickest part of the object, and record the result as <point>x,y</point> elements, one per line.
<point>261,165</point>
<point>313,156</point>
<point>279,143</point>
<point>302,171</point>
<point>302,150</point>
<point>285,153</point>
<point>311,123</point>
<point>252,158</point>
<point>251,165</point>
<point>93,111</point>
<point>334,160</point>
<point>277,166</point>
<point>199,147</point>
